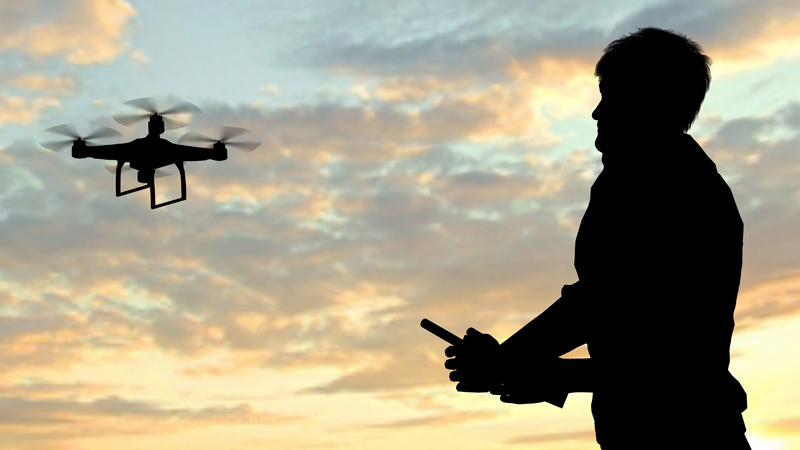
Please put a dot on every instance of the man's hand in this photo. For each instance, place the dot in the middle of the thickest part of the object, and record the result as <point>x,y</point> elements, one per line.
<point>528,383</point>
<point>475,363</point>
<point>522,392</point>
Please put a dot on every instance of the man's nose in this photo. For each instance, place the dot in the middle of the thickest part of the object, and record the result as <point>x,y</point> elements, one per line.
<point>595,113</point>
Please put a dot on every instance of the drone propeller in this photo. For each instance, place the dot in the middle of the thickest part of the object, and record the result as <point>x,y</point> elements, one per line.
<point>225,134</point>
<point>70,131</point>
<point>159,173</point>
<point>111,167</point>
<point>149,104</point>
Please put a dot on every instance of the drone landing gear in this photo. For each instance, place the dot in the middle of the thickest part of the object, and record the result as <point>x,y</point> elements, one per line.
<point>183,189</point>
<point>151,184</point>
<point>119,171</point>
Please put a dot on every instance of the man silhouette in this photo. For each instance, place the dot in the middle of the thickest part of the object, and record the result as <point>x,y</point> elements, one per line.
<point>658,256</point>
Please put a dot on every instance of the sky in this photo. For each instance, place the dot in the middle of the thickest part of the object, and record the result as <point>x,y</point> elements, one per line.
<point>419,160</point>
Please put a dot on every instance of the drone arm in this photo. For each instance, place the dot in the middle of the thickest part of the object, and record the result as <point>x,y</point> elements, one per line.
<point>190,153</point>
<point>111,152</point>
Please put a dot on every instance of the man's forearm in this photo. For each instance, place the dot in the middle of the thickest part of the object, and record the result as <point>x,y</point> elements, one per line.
<point>549,381</point>
<point>558,330</point>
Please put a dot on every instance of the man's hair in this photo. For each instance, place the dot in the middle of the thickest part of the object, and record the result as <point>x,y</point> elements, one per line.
<point>664,60</point>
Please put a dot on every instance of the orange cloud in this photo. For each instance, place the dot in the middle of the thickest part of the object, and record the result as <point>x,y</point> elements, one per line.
<point>19,110</point>
<point>777,38</point>
<point>441,420</point>
<point>41,82</point>
<point>771,298</point>
<point>84,31</point>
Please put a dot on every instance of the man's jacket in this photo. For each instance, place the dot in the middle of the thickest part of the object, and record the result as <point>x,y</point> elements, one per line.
<point>659,258</point>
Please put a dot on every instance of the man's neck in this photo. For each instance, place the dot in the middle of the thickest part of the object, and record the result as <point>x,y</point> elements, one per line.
<point>641,147</point>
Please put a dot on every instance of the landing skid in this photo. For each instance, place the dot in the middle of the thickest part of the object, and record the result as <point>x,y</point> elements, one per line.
<point>151,184</point>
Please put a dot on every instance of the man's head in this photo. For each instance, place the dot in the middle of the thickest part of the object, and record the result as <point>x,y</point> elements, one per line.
<point>652,82</point>
<point>156,125</point>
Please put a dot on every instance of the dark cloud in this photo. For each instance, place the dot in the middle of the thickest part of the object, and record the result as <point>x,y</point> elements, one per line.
<point>404,371</point>
<point>587,435</point>
<point>761,187</point>
<point>465,239</point>
<point>480,41</point>
<point>483,58</point>
<point>430,250</point>
<point>36,389</point>
<point>710,23</point>
<point>38,424</point>
<point>791,116</point>
<point>421,221</point>
<point>439,420</point>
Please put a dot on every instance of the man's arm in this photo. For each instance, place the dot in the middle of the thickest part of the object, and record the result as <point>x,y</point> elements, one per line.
<point>558,330</point>
<point>550,382</point>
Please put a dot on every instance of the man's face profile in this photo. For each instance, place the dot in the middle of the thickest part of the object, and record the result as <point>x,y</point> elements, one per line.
<point>629,109</point>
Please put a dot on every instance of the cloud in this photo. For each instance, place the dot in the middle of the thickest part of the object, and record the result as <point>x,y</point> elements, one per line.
<point>778,297</point>
<point>35,390</point>
<point>440,420</point>
<point>39,82</point>
<point>761,173</point>
<point>433,192</point>
<point>19,110</point>
<point>327,245</point>
<point>587,435</point>
<point>764,31</point>
<point>545,67</point>
<point>397,371</point>
<point>347,294</point>
<point>47,422</point>
<point>493,39</point>
<point>785,425</point>
<point>139,58</point>
<point>82,31</point>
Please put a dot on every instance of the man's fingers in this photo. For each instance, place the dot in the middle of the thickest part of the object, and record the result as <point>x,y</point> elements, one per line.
<point>476,338</point>
<point>462,375</point>
<point>471,387</point>
<point>451,351</point>
<point>472,334</point>
<point>498,390</point>
<point>451,364</point>
<point>507,398</point>
<point>521,399</point>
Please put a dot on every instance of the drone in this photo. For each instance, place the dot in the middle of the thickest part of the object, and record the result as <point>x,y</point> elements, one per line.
<point>149,154</point>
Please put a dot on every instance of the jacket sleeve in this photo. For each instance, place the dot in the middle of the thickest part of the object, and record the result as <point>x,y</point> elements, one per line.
<point>558,330</point>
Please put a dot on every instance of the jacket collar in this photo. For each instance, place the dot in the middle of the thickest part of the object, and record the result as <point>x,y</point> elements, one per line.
<point>677,151</point>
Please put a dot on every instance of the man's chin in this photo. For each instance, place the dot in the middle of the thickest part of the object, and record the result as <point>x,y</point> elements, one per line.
<point>598,144</point>
<point>608,140</point>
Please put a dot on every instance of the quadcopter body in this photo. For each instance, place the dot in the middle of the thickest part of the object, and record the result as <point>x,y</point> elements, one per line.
<point>148,155</point>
